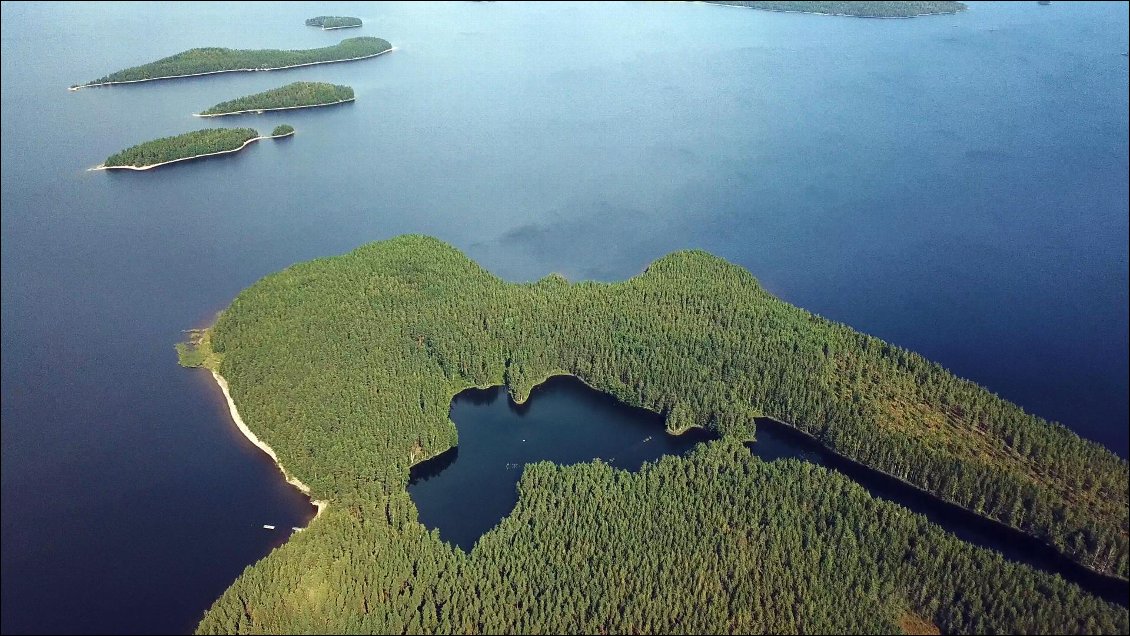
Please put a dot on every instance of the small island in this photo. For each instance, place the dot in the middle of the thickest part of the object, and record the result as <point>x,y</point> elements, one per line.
<point>327,22</point>
<point>282,130</point>
<point>207,61</point>
<point>291,96</point>
<point>191,145</point>
<point>853,9</point>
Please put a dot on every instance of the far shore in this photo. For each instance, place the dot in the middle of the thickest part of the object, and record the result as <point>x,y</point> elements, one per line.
<point>320,504</point>
<point>267,110</point>
<point>207,154</point>
<point>230,70</point>
<point>841,15</point>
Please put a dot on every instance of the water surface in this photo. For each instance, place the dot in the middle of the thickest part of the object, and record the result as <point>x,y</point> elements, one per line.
<point>955,185</point>
<point>470,488</point>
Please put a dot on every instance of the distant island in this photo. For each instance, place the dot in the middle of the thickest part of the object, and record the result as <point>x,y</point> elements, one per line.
<point>291,96</point>
<point>346,368</point>
<point>191,145</point>
<point>206,61</point>
<point>327,22</point>
<point>854,9</point>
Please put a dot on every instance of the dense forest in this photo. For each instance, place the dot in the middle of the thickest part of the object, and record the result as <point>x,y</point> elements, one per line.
<point>293,95</point>
<point>858,9</point>
<point>282,130</point>
<point>347,367</point>
<point>718,541</point>
<point>693,338</point>
<point>333,22</point>
<point>190,144</point>
<point>210,60</point>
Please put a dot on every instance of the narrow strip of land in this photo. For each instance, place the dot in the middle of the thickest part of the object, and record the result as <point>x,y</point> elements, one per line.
<point>230,70</point>
<point>207,154</point>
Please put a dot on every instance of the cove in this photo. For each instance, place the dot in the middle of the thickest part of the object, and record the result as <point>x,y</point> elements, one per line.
<point>467,490</point>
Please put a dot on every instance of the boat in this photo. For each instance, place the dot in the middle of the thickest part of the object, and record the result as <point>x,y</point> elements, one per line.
<point>268,527</point>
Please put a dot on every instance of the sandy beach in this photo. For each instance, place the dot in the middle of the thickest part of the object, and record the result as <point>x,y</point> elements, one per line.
<point>242,426</point>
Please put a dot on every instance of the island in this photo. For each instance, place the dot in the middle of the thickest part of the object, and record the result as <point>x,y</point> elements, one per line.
<point>855,9</point>
<point>207,61</point>
<point>347,367</point>
<point>207,142</point>
<point>291,96</point>
<point>327,22</point>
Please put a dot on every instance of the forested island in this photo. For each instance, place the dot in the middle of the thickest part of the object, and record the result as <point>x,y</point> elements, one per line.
<point>190,145</point>
<point>347,366</point>
<point>327,22</point>
<point>204,61</point>
<point>856,9</point>
<point>293,95</point>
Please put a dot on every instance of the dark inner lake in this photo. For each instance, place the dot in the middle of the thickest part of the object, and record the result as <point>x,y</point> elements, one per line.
<point>467,490</point>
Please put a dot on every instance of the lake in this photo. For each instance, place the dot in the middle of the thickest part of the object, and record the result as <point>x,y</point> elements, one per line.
<point>956,185</point>
<point>467,490</point>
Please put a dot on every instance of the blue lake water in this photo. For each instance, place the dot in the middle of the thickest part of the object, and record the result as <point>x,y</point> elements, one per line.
<point>466,491</point>
<point>956,185</point>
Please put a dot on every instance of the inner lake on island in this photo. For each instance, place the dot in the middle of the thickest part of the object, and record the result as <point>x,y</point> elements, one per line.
<point>905,177</point>
<point>467,490</point>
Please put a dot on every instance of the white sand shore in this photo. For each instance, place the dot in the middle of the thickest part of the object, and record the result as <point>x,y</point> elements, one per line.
<point>267,110</point>
<point>207,154</point>
<point>231,70</point>
<point>290,479</point>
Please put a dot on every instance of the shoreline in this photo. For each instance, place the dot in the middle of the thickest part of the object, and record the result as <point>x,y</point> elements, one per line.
<point>840,15</point>
<point>207,154</point>
<point>260,111</point>
<point>320,504</point>
<point>849,460</point>
<point>858,464</point>
<point>230,70</point>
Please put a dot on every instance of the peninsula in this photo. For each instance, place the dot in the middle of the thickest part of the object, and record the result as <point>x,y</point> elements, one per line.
<point>327,22</point>
<point>347,366</point>
<point>291,96</point>
<point>879,9</point>
<point>191,145</point>
<point>206,61</point>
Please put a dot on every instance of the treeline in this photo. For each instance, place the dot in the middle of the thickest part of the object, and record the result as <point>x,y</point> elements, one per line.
<point>858,9</point>
<point>347,367</point>
<point>282,129</point>
<point>333,22</point>
<point>714,542</point>
<point>290,96</point>
<point>190,144</point>
<point>210,60</point>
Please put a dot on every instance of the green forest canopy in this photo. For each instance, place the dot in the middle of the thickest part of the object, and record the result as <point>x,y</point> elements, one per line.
<point>209,60</point>
<point>714,542</point>
<point>282,129</point>
<point>333,21</point>
<point>190,144</point>
<point>295,94</point>
<point>860,9</point>
<point>347,366</point>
